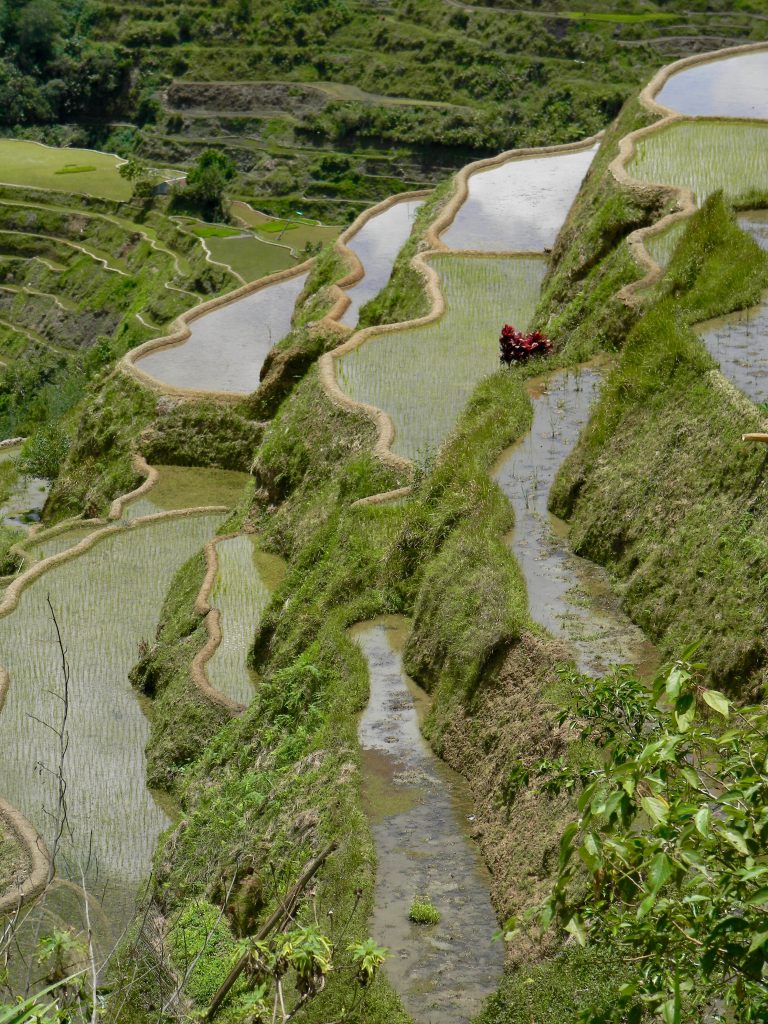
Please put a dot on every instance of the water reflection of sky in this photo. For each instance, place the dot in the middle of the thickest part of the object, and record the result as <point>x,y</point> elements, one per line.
<point>731,87</point>
<point>519,206</point>
<point>377,243</point>
<point>227,347</point>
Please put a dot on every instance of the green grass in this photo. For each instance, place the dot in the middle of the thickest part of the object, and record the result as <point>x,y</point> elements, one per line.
<point>213,231</point>
<point>76,169</point>
<point>250,257</point>
<point>704,156</point>
<point>423,376</point>
<point>423,911</point>
<point>30,164</point>
<point>661,489</point>
<point>615,16</point>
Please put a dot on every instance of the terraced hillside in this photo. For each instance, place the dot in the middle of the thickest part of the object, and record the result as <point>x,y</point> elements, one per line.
<point>380,707</point>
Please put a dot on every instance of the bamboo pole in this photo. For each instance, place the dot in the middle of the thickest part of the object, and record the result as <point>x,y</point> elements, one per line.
<point>277,919</point>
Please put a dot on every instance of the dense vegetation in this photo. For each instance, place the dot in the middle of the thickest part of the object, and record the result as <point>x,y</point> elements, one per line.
<point>260,794</point>
<point>52,70</point>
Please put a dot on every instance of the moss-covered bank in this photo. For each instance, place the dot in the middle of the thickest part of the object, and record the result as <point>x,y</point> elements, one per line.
<point>661,489</point>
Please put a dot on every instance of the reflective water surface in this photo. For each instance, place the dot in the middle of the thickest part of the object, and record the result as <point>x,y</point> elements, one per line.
<point>376,244</point>
<point>519,206</point>
<point>227,347</point>
<point>570,596</point>
<point>728,87</point>
<point>419,810</point>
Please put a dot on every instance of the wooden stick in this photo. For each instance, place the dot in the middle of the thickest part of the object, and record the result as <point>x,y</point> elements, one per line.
<point>275,920</point>
<point>755,437</point>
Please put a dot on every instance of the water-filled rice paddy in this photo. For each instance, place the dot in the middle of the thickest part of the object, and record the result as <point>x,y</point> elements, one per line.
<point>419,810</point>
<point>568,595</point>
<point>245,581</point>
<point>704,156</point>
<point>739,341</point>
<point>24,496</point>
<point>59,542</point>
<point>729,87</point>
<point>376,244</point>
<point>107,600</point>
<point>189,487</point>
<point>520,205</point>
<point>662,244</point>
<point>65,170</point>
<point>227,347</point>
<point>756,223</point>
<point>423,376</point>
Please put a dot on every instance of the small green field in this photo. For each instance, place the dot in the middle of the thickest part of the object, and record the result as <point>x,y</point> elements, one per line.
<point>705,156</point>
<point>64,170</point>
<point>616,16</point>
<point>296,233</point>
<point>250,257</point>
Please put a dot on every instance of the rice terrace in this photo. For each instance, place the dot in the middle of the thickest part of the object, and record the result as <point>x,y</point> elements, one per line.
<point>384,499</point>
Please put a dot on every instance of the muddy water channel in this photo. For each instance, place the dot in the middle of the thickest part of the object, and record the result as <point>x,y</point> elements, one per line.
<point>376,245</point>
<point>107,600</point>
<point>24,504</point>
<point>727,87</point>
<point>420,814</point>
<point>739,341</point>
<point>568,595</point>
<point>227,347</point>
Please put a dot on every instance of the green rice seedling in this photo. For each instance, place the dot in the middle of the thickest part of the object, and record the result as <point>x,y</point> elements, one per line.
<point>662,244</point>
<point>423,376</point>
<point>244,584</point>
<point>189,487</point>
<point>107,601</point>
<point>705,156</point>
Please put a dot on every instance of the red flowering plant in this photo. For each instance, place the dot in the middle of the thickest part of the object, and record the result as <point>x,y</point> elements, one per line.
<point>516,347</point>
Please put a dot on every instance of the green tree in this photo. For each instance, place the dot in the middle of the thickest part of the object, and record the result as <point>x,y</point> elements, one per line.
<point>208,179</point>
<point>38,26</point>
<point>672,833</point>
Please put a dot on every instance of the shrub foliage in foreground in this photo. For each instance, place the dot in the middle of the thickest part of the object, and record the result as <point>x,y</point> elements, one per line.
<point>672,831</point>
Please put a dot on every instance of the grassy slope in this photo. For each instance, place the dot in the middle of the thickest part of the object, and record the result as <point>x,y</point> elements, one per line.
<point>661,489</point>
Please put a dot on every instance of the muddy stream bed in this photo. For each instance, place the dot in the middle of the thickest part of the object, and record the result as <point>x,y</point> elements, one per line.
<point>570,596</point>
<point>421,812</point>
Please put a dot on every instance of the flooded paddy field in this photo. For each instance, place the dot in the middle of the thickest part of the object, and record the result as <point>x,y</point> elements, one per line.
<point>227,346</point>
<point>520,205</point>
<point>568,595</point>
<point>107,601</point>
<point>735,86</point>
<point>423,376</point>
<point>376,245</point>
<point>245,581</point>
